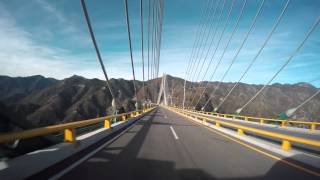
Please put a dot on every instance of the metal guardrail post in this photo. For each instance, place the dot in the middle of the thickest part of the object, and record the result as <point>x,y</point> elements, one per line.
<point>286,145</point>
<point>204,121</point>
<point>107,123</point>
<point>313,127</point>
<point>70,135</point>
<point>283,123</point>
<point>240,132</point>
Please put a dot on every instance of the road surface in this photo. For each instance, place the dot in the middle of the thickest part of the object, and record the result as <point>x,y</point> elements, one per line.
<point>165,145</point>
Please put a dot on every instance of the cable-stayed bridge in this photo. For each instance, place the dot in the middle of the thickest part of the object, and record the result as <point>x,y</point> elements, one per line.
<point>161,139</point>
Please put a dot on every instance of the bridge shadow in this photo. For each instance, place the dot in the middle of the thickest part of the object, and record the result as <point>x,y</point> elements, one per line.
<point>121,159</point>
<point>106,167</point>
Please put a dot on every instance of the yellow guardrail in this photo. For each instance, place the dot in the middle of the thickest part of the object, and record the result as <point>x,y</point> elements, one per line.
<point>312,125</point>
<point>68,128</point>
<point>286,139</point>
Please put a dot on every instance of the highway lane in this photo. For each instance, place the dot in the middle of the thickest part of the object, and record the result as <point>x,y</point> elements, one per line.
<point>164,145</point>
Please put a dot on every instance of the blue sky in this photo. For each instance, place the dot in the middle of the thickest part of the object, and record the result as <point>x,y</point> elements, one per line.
<point>51,38</point>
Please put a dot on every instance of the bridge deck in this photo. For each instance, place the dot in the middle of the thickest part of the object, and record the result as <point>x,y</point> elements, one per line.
<point>150,150</point>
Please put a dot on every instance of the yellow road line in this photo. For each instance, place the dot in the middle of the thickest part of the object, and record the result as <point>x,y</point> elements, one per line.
<point>257,150</point>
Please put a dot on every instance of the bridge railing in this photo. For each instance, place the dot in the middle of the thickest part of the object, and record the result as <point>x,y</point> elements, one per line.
<point>69,129</point>
<point>285,139</point>
<point>312,125</point>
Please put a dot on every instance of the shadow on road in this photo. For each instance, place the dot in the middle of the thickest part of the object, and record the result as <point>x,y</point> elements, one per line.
<point>120,160</point>
<point>124,163</point>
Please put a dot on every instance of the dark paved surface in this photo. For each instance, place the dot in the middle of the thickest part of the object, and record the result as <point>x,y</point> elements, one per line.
<point>148,150</point>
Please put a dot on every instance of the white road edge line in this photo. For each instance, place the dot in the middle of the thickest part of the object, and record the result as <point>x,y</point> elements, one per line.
<point>174,133</point>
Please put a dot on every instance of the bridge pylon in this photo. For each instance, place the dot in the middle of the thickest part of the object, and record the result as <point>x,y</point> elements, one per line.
<point>163,91</point>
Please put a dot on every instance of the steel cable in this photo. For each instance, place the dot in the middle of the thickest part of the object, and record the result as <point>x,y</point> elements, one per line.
<point>210,45</point>
<point>199,40</point>
<point>197,32</point>
<point>197,54</point>
<point>219,19</point>
<point>85,12</point>
<point>211,60</point>
<point>142,50</point>
<point>258,54</point>
<point>240,48</point>
<point>284,65</point>
<point>130,47</point>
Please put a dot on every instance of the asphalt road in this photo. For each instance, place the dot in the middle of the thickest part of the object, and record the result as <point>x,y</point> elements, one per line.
<point>165,145</point>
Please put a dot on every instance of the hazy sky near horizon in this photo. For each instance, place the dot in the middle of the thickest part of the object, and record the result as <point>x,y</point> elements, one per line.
<point>51,38</point>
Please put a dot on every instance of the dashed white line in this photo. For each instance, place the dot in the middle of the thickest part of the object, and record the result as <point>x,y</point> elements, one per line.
<point>165,115</point>
<point>174,133</point>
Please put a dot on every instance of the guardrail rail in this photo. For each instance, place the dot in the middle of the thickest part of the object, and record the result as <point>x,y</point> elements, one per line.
<point>312,125</point>
<point>285,139</point>
<point>68,128</point>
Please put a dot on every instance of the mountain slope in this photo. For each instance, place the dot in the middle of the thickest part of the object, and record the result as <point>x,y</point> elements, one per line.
<point>275,98</point>
<point>30,102</point>
<point>15,88</point>
<point>37,101</point>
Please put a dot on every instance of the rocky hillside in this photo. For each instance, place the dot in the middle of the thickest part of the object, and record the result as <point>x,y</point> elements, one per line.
<point>28,102</point>
<point>275,99</point>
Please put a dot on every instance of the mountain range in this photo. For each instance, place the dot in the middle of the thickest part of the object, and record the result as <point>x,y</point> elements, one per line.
<point>35,101</point>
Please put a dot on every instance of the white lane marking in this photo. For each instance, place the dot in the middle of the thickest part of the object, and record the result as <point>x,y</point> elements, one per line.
<point>42,150</point>
<point>174,133</point>
<point>165,115</point>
